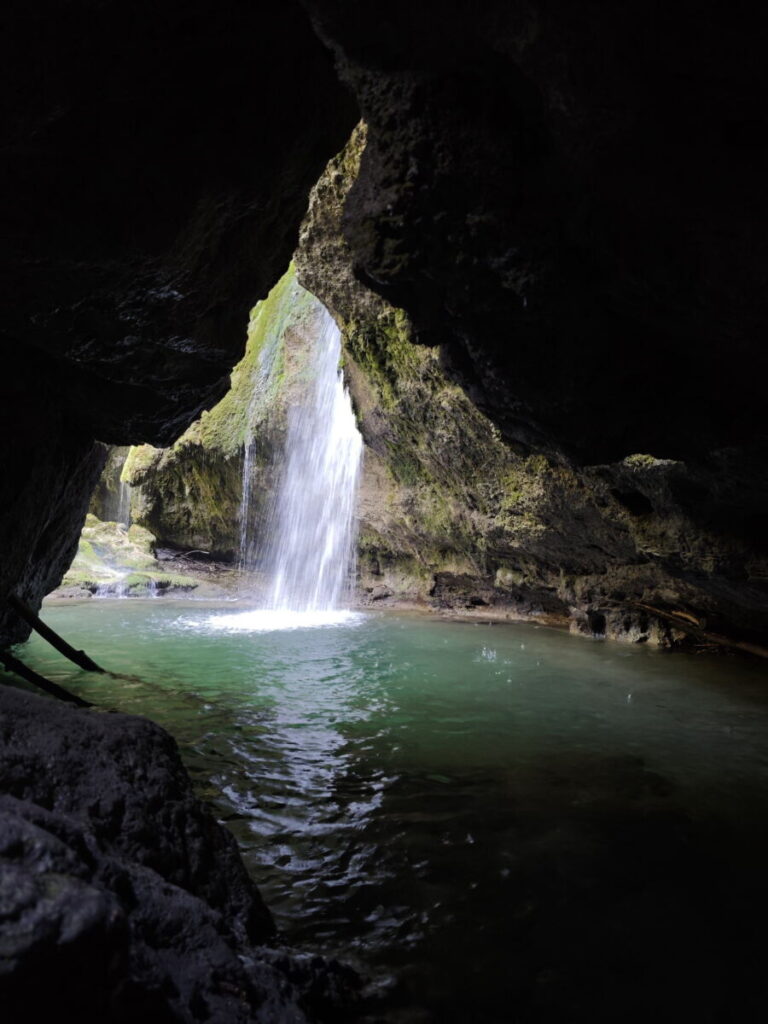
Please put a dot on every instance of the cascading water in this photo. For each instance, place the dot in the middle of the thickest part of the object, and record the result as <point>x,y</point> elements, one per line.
<point>124,504</point>
<point>310,549</point>
<point>301,467</point>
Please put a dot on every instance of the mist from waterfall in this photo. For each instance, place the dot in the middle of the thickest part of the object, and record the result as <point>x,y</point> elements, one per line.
<point>310,533</point>
<point>124,503</point>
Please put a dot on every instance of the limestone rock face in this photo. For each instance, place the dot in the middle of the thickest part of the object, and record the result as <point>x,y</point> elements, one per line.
<point>570,203</point>
<point>120,896</point>
<point>116,560</point>
<point>456,515</point>
<point>189,495</point>
<point>157,164</point>
<point>106,499</point>
<point>567,205</point>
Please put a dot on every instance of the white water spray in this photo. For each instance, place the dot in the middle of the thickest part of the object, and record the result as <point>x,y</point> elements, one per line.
<point>311,530</point>
<point>124,504</point>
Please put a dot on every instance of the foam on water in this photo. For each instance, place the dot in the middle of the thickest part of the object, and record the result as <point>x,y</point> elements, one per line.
<point>268,620</point>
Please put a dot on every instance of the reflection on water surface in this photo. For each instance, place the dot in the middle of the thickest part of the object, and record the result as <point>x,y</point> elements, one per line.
<point>493,823</point>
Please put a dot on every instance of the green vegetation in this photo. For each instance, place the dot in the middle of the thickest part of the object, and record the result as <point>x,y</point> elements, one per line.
<point>111,559</point>
<point>641,461</point>
<point>189,494</point>
<point>141,459</point>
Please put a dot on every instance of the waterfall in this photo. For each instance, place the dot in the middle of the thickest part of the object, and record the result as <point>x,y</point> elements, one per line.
<point>115,502</point>
<point>124,504</point>
<point>310,547</point>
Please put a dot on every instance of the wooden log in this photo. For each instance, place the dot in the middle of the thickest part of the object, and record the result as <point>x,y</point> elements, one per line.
<point>80,658</point>
<point>20,669</point>
<point>688,624</point>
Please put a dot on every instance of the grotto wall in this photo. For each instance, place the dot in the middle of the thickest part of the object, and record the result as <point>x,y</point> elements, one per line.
<point>569,200</point>
<point>568,203</point>
<point>455,515</point>
<point>190,495</point>
<point>157,163</point>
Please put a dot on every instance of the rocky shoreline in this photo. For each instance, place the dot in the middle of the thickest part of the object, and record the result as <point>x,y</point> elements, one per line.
<point>121,896</point>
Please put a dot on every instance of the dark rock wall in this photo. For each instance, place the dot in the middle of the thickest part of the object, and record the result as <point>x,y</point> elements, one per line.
<point>455,515</point>
<point>569,199</point>
<point>157,163</point>
<point>120,896</point>
<point>48,474</point>
<point>190,495</point>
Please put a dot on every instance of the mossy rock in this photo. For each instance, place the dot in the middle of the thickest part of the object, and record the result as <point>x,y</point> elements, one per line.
<point>105,551</point>
<point>115,547</point>
<point>190,494</point>
<point>139,584</point>
<point>167,582</point>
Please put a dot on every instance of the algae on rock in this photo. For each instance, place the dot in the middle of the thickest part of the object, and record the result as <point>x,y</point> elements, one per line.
<point>190,495</point>
<point>453,515</point>
<point>115,560</point>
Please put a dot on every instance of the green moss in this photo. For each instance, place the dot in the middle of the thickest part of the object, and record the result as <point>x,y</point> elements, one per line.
<point>137,581</point>
<point>141,538</point>
<point>260,374</point>
<point>382,348</point>
<point>536,465</point>
<point>85,551</point>
<point>81,578</point>
<point>640,461</point>
<point>137,584</point>
<point>141,459</point>
<point>175,581</point>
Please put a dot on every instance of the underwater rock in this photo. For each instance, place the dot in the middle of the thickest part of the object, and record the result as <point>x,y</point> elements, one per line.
<point>121,895</point>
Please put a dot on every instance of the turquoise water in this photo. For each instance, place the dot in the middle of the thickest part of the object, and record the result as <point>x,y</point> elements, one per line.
<point>491,822</point>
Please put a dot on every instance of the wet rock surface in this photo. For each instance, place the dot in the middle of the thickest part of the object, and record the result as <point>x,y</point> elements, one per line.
<point>456,516</point>
<point>568,203</point>
<point>121,895</point>
<point>568,208</point>
<point>115,560</point>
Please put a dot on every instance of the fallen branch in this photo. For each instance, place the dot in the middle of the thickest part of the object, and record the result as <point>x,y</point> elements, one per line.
<point>80,658</point>
<point>690,625</point>
<point>12,664</point>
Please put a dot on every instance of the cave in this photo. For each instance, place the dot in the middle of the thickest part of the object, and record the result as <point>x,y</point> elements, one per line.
<point>385,442</point>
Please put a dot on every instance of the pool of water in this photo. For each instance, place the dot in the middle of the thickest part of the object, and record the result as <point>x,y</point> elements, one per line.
<point>491,822</point>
